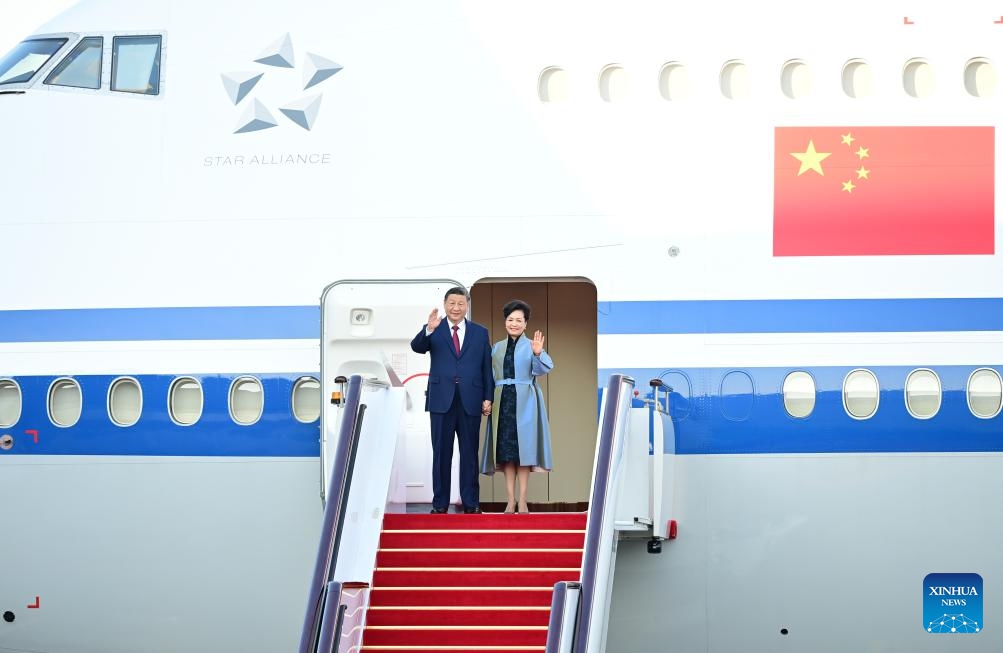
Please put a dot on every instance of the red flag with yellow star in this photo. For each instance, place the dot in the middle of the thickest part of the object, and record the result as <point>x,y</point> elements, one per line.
<point>857,191</point>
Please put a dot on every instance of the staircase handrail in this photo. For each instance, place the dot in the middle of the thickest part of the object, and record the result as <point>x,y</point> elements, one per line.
<point>334,520</point>
<point>599,531</point>
<point>564,607</point>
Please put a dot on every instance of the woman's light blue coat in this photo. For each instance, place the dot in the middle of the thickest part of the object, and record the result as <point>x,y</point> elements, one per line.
<point>531,413</point>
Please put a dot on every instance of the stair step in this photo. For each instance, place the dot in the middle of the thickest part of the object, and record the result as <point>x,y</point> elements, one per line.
<point>456,636</point>
<point>460,583</point>
<point>454,649</point>
<point>461,596</point>
<point>486,521</point>
<point>438,539</point>
<point>464,577</point>
<point>467,616</point>
<point>516,558</point>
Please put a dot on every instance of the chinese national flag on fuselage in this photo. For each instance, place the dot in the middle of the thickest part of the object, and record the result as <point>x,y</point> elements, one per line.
<point>857,191</point>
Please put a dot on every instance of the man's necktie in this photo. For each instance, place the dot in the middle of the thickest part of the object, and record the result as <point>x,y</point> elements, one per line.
<point>456,339</point>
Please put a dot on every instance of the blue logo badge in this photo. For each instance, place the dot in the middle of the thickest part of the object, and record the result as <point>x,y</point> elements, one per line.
<point>952,603</point>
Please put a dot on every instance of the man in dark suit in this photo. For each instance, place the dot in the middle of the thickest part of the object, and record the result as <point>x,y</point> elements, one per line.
<point>460,389</point>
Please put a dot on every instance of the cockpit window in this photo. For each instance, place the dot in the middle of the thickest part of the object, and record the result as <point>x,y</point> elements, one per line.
<point>81,68</point>
<point>135,64</point>
<point>21,63</point>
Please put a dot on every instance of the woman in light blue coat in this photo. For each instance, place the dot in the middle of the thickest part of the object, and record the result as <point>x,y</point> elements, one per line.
<point>518,416</point>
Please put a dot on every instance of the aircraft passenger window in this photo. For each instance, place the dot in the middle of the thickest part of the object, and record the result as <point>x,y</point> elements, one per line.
<point>21,63</point>
<point>795,80</point>
<point>737,396</point>
<point>125,401</point>
<point>135,64</point>
<point>679,398</point>
<point>81,68</point>
<point>860,394</point>
<point>553,86</point>
<point>614,84</point>
<point>735,80</point>
<point>65,402</point>
<point>185,401</point>
<point>306,399</point>
<point>858,80</point>
<point>10,403</point>
<point>799,394</point>
<point>917,78</point>
<point>673,82</point>
<point>980,78</point>
<point>985,393</point>
<point>922,394</point>
<point>247,400</point>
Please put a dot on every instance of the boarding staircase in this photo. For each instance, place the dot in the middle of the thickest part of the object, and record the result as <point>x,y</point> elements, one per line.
<point>386,580</point>
<point>480,582</point>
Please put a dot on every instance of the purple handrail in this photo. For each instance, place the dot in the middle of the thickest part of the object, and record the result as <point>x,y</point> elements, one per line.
<point>334,520</point>
<point>555,629</point>
<point>597,509</point>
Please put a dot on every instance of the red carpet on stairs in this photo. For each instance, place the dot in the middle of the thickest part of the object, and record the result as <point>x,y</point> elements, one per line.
<point>470,583</point>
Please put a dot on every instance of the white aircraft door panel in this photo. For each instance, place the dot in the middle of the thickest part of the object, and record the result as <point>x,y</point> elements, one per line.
<point>366,329</point>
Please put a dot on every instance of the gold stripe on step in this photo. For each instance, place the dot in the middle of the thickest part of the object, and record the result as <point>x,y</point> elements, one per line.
<point>486,530</point>
<point>408,647</point>
<point>466,589</point>
<point>485,608</point>
<point>537,550</point>
<point>509,569</point>
<point>409,627</point>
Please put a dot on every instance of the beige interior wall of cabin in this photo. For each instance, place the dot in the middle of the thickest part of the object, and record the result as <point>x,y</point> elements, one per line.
<point>565,311</point>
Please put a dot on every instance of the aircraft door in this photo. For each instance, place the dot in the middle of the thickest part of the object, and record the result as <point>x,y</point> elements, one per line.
<point>366,329</point>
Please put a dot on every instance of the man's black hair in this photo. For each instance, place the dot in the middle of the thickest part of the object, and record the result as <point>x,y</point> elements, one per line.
<point>456,290</point>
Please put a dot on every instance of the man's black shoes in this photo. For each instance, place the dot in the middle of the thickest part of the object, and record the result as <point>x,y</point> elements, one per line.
<point>467,510</point>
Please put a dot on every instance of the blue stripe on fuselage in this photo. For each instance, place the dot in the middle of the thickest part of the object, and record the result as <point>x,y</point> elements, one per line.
<point>802,316</point>
<point>277,434</point>
<point>709,419</point>
<point>188,323</point>
<point>626,317</point>
<point>713,414</point>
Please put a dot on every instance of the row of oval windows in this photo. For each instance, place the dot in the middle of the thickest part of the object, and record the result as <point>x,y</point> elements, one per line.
<point>923,394</point>
<point>246,401</point>
<point>979,78</point>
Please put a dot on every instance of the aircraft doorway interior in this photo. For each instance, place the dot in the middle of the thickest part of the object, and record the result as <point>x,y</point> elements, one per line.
<point>565,311</point>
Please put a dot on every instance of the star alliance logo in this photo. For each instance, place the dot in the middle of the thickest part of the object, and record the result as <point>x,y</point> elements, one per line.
<point>301,110</point>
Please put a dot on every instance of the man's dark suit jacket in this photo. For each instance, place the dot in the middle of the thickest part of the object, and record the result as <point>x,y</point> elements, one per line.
<point>469,373</point>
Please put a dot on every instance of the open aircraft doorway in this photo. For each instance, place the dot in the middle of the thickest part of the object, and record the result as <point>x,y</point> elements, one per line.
<point>564,309</point>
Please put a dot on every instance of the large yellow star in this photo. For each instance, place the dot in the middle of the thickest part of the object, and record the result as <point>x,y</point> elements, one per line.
<point>810,159</point>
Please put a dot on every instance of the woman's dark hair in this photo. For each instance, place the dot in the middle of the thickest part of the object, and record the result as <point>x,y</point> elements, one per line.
<point>516,305</point>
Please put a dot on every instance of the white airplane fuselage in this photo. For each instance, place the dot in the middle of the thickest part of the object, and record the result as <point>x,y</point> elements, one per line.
<point>189,233</point>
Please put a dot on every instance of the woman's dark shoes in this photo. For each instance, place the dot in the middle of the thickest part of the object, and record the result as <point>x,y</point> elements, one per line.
<point>438,511</point>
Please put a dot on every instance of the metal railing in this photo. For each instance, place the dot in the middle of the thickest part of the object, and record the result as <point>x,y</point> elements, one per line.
<point>580,602</point>
<point>564,609</point>
<point>322,624</point>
